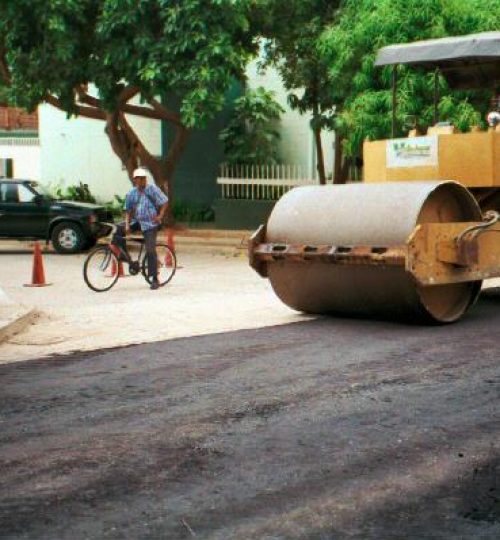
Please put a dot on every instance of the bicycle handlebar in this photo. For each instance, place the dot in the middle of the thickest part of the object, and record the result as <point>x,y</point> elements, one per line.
<point>111,226</point>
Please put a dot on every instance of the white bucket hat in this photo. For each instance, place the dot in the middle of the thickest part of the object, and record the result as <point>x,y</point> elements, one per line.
<point>140,172</point>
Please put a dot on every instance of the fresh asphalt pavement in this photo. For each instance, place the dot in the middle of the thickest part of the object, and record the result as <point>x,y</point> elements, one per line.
<point>324,429</point>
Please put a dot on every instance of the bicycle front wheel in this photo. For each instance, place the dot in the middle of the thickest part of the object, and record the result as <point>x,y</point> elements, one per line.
<point>167,264</point>
<point>100,270</point>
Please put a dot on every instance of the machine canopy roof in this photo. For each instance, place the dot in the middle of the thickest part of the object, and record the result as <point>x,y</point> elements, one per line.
<point>471,61</point>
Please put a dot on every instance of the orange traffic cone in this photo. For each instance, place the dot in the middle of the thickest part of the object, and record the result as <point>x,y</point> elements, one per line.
<point>169,239</point>
<point>114,269</point>
<point>38,274</point>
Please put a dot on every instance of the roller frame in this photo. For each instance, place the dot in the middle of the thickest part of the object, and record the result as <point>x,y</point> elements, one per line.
<point>434,254</point>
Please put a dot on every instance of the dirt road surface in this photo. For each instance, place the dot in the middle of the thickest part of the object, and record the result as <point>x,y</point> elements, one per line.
<point>74,318</point>
<point>324,429</point>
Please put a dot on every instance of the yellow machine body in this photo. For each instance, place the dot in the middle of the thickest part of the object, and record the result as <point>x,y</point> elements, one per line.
<point>418,250</point>
<point>473,159</point>
<point>400,249</point>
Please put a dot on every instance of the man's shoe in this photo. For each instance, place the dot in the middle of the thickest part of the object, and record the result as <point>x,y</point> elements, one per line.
<point>155,285</point>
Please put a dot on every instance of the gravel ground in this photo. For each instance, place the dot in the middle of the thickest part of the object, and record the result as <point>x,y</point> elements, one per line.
<point>209,293</point>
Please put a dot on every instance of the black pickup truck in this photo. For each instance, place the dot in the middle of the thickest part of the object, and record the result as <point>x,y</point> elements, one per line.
<point>26,211</point>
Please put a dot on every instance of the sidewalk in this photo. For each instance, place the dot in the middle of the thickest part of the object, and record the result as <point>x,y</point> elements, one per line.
<point>212,240</point>
<point>14,317</point>
<point>214,291</point>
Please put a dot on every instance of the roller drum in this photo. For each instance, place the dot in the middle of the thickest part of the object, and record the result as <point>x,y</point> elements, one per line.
<point>367,215</point>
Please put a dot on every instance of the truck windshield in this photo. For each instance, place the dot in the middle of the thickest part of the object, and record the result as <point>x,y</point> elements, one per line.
<point>40,189</point>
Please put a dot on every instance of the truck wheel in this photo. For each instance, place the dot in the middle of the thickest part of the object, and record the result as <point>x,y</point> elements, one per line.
<point>67,238</point>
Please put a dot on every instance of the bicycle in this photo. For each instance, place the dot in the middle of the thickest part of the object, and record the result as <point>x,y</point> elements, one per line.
<point>103,264</point>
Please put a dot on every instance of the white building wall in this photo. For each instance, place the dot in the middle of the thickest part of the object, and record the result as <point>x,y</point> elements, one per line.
<point>297,140</point>
<point>25,156</point>
<point>78,150</point>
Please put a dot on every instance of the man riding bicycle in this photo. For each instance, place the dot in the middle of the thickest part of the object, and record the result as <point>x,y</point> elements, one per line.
<point>145,207</point>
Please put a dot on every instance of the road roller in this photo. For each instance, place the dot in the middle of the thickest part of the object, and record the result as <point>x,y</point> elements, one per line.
<point>418,236</point>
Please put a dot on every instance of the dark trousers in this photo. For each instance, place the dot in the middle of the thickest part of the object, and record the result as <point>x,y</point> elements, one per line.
<point>149,241</point>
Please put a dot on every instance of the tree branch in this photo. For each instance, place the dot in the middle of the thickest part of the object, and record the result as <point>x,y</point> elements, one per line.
<point>155,112</point>
<point>85,97</point>
<point>165,113</point>
<point>136,143</point>
<point>120,143</point>
<point>87,112</point>
<point>138,110</point>
<point>127,94</point>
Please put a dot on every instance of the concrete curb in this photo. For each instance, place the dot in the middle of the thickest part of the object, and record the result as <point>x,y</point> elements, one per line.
<point>15,322</point>
<point>192,239</point>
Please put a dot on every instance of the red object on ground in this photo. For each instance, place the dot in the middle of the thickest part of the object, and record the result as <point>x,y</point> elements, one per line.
<point>38,273</point>
<point>120,271</point>
<point>169,239</point>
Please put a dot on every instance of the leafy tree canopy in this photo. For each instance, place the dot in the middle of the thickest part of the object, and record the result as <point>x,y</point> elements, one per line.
<point>362,92</point>
<point>293,28</point>
<point>53,50</point>
<point>251,138</point>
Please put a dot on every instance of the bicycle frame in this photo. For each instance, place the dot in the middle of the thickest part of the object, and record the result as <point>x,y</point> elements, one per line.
<point>117,250</point>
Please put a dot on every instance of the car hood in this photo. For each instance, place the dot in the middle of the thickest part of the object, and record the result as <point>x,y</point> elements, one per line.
<point>77,205</point>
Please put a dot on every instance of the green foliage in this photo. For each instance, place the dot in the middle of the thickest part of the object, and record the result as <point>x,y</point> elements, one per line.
<point>362,93</point>
<point>79,192</point>
<point>191,49</point>
<point>192,212</point>
<point>250,137</point>
<point>4,96</point>
<point>293,28</point>
<point>116,206</point>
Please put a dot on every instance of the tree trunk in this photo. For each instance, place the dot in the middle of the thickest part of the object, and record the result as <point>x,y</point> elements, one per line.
<point>344,170</point>
<point>320,158</point>
<point>121,143</point>
<point>339,176</point>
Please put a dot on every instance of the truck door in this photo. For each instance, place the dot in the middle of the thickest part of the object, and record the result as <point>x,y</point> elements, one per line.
<point>22,214</point>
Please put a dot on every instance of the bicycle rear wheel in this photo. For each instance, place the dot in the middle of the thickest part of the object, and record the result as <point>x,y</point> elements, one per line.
<point>167,264</point>
<point>100,270</point>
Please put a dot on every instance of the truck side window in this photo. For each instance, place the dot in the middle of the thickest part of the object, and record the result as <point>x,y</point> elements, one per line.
<point>8,193</point>
<point>25,194</point>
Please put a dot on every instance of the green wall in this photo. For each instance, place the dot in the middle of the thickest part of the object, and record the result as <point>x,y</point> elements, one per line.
<point>195,177</point>
<point>241,214</point>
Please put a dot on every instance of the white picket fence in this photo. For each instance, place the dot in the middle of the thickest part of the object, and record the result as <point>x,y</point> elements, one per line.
<point>19,141</point>
<point>264,182</point>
